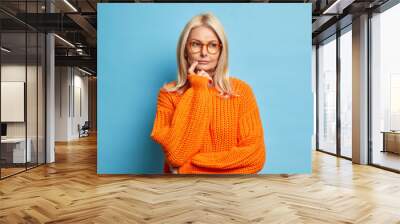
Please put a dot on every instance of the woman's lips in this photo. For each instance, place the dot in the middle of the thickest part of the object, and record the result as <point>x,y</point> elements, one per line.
<point>203,62</point>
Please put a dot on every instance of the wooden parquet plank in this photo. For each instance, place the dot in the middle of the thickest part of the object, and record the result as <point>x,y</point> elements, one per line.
<point>70,191</point>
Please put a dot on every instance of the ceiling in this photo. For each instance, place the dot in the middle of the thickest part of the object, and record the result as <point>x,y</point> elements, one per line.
<point>76,22</point>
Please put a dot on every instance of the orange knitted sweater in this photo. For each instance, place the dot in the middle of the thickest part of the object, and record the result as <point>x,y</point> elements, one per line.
<point>203,133</point>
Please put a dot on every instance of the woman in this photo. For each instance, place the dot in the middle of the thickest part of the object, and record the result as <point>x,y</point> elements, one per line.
<point>206,121</point>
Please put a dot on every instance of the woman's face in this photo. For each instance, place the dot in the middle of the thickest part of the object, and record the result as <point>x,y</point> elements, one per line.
<point>197,50</point>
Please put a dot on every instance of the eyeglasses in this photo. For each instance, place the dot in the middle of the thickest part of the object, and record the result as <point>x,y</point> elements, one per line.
<point>213,47</point>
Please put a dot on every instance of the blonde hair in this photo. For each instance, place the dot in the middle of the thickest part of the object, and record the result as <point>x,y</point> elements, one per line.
<point>221,76</point>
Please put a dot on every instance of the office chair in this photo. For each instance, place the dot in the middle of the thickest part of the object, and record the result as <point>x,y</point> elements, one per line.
<point>84,130</point>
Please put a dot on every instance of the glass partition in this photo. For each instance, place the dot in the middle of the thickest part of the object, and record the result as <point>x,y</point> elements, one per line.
<point>22,78</point>
<point>14,153</point>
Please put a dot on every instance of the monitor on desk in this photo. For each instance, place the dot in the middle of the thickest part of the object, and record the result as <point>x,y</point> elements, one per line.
<point>3,130</point>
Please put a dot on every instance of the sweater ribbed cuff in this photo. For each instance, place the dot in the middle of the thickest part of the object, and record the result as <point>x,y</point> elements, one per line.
<point>197,81</point>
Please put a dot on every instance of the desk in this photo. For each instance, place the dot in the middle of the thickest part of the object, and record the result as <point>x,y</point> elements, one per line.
<point>16,151</point>
<point>391,141</point>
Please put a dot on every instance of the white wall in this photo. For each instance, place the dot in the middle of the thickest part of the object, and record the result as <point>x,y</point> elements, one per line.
<point>9,73</point>
<point>80,89</point>
<point>62,81</point>
<point>33,127</point>
<point>15,72</point>
<point>70,84</point>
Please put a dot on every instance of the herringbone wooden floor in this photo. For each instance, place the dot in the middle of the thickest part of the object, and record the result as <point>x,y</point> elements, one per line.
<point>70,191</point>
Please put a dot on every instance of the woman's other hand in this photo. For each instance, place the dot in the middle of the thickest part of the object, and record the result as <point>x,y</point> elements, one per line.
<point>192,71</point>
<point>200,79</point>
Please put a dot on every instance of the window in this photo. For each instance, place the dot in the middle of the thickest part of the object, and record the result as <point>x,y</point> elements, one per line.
<point>385,88</point>
<point>346,92</point>
<point>327,95</point>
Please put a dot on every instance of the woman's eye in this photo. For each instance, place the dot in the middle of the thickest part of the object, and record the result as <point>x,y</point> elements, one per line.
<point>214,45</point>
<point>194,44</point>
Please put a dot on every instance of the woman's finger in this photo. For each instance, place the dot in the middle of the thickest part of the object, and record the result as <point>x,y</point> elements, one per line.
<point>204,73</point>
<point>192,67</point>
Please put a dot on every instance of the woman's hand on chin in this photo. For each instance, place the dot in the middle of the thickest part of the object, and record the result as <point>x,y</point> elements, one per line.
<point>192,71</point>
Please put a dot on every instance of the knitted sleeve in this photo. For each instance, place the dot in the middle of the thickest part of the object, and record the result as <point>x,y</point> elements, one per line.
<point>250,150</point>
<point>180,130</point>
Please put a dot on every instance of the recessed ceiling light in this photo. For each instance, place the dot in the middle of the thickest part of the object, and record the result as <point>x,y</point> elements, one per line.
<point>5,50</point>
<point>84,71</point>
<point>64,40</point>
<point>338,6</point>
<point>70,5</point>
